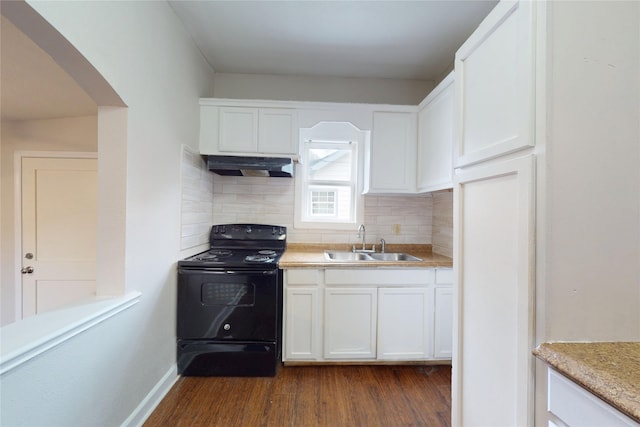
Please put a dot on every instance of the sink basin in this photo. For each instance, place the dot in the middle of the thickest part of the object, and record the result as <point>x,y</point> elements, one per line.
<point>393,256</point>
<point>374,256</point>
<point>347,256</point>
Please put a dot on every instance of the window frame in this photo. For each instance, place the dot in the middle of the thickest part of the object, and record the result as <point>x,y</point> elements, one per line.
<point>330,135</point>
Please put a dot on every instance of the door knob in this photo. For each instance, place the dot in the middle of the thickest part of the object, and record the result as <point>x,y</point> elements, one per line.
<point>27,270</point>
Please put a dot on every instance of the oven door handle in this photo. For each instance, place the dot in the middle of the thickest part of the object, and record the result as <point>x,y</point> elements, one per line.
<point>229,272</point>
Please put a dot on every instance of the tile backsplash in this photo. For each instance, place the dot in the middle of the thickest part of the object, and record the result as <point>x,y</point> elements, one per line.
<point>442,232</point>
<point>397,219</point>
<point>196,200</point>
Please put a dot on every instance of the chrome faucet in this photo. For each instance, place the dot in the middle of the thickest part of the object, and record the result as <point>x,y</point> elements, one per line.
<point>362,229</point>
<point>382,243</point>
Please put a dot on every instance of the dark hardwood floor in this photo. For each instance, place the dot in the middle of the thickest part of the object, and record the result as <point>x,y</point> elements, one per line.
<point>301,396</point>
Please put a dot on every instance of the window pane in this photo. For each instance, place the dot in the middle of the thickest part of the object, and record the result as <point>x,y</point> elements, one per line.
<point>330,203</point>
<point>329,164</point>
<point>323,203</point>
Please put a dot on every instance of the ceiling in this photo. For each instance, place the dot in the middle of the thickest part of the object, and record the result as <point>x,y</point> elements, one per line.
<point>367,39</point>
<point>379,39</point>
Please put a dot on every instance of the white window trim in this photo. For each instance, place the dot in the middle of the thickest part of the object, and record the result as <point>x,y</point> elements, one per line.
<point>325,131</point>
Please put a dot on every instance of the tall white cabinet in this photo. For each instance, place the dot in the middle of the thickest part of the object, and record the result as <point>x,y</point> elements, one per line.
<point>547,186</point>
<point>493,221</point>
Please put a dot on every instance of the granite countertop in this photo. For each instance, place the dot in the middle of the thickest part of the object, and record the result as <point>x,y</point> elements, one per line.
<point>303,255</point>
<point>609,370</point>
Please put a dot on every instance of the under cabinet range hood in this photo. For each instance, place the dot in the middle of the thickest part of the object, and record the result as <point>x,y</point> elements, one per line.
<point>250,166</point>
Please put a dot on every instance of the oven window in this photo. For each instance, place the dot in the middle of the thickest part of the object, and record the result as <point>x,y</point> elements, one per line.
<point>229,294</point>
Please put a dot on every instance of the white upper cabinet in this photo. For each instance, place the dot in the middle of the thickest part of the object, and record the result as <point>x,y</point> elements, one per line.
<point>252,131</point>
<point>435,138</point>
<point>390,164</point>
<point>277,131</point>
<point>494,86</point>
<point>238,130</point>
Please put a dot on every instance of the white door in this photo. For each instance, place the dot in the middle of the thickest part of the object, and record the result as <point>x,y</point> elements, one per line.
<point>59,227</point>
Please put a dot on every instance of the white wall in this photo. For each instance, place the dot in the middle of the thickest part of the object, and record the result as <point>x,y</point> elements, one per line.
<point>78,134</point>
<point>102,375</point>
<point>321,89</point>
<point>592,289</point>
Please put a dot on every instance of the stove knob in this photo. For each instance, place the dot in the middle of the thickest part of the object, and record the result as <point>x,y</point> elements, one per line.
<point>248,229</point>
<point>226,327</point>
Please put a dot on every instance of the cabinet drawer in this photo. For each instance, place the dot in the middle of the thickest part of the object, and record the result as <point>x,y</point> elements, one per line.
<point>575,406</point>
<point>444,276</point>
<point>302,276</point>
<point>400,277</point>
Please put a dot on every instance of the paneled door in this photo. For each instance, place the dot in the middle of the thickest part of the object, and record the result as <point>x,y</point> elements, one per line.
<point>59,228</point>
<point>492,382</point>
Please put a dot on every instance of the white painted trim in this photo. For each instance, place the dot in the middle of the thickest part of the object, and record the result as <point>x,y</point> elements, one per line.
<point>306,105</point>
<point>153,399</point>
<point>17,211</point>
<point>22,341</point>
<point>442,86</point>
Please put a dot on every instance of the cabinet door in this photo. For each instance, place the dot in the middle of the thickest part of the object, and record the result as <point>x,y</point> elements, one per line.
<point>404,331</point>
<point>350,323</point>
<point>493,265</point>
<point>443,322</point>
<point>302,324</point>
<point>391,162</point>
<point>238,129</point>
<point>435,139</point>
<point>277,131</point>
<point>494,85</point>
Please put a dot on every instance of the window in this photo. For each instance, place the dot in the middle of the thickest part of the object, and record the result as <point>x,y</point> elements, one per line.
<point>327,186</point>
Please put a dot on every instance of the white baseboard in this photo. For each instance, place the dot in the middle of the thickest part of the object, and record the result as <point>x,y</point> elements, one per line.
<point>153,399</point>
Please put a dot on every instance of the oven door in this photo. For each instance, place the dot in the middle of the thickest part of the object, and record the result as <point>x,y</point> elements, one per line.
<point>234,305</point>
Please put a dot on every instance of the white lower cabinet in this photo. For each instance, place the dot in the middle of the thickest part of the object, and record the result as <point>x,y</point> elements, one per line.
<point>350,323</point>
<point>403,323</point>
<point>443,314</point>
<point>571,405</point>
<point>367,315</point>
<point>303,324</point>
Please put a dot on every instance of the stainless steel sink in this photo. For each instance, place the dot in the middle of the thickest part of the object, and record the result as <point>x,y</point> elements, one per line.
<point>347,256</point>
<point>373,256</point>
<point>393,256</point>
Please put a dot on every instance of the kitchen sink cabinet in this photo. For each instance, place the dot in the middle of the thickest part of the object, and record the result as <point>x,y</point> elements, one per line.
<point>404,319</point>
<point>367,315</point>
<point>390,161</point>
<point>350,323</point>
<point>435,138</point>
<point>249,131</point>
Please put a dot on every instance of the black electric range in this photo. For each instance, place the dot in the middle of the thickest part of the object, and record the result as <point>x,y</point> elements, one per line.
<point>229,314</point>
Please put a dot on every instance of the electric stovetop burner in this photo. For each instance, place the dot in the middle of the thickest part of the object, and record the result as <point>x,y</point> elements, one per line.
<point>213,255</point>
